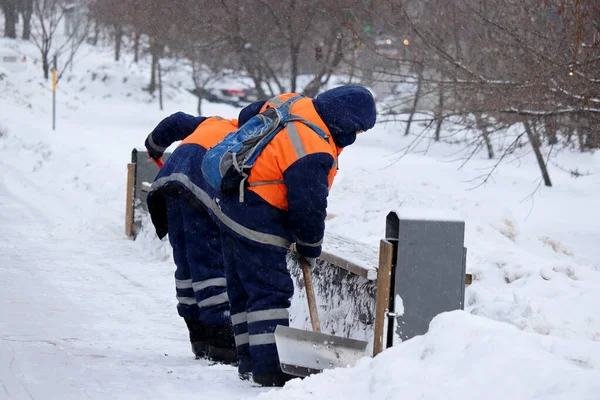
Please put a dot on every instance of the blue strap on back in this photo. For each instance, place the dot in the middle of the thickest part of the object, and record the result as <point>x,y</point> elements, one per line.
<point>292,117</point>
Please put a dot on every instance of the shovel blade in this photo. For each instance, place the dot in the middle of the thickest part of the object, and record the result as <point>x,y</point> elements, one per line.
<point>302,353</point>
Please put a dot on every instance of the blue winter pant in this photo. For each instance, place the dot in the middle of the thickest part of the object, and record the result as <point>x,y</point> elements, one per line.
<point>200,277</point>
<point>260,288</point>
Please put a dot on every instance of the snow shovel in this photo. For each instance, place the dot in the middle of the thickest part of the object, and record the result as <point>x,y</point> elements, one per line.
<point>302,353</point>
<point>159,162</point>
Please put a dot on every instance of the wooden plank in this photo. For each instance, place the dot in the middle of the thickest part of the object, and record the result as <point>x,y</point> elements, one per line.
<point>356,252</point>
<point>384,276</point>
<point>129,200</point>
<point>356,269</point>
<point>468,279</point>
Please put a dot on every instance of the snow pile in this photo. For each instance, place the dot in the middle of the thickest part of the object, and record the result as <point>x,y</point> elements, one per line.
<point>533,252</point>
<point>462,357</point>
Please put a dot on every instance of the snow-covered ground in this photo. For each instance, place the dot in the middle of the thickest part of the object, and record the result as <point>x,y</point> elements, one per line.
<point>86,313</point>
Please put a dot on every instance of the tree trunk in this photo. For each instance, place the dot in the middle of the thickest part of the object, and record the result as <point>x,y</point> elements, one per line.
<point>439,112</point>
<point>9,8</point>
<point>416,101</point>
<point>27,11</point>
<point>550,125</point>
<point>485,135</point>
<point>46,65</point>
<point>118,40</point>
<point>332,59</point>
<point>580,139</point>
<point>535,144</point>
<point>592,140</point>
<point>160,86</point>
<point>199,107</point>
<point>152,84</point>
<point>136,46</point>
<point>294,50</point>
<point>488,143</point>
<point>95,34</point>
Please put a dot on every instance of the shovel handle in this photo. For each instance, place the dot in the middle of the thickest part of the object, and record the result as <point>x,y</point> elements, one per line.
<point>310,295</point>
<point>158,161</point>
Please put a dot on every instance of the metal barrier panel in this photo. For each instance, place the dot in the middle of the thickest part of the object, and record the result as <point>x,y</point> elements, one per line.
<point>428,273</point>
<point>145,171</point>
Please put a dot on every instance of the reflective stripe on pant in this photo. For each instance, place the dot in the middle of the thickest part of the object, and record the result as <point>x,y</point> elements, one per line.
<point>199,277</point>
<point>239,321</point>
<point>260,288</point>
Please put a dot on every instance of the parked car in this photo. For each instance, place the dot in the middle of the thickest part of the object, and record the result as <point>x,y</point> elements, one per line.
<point>11,60</point>
<point>237,97</point>
<point>387,46</point>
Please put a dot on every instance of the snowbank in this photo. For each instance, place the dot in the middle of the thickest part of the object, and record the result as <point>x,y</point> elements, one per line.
<point>462,357</point>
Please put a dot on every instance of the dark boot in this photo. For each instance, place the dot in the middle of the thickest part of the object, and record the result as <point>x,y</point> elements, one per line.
<point>221,345</point>
<point>245,368</point>
<point>277,379</point>
<point>198,337</point>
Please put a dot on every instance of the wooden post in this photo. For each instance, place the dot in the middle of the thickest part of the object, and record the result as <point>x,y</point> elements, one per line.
<point>468,279</point>
<point>386,250</point>
<point>129,200</point>
<point>310,295</point>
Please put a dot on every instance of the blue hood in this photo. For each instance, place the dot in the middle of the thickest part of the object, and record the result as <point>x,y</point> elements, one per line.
<point>346,110</point>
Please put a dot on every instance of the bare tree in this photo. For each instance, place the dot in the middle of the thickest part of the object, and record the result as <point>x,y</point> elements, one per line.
<point>112,14</point>
<point>48,16</point>
<point>26,10</point>
<point>503,63</point>
<point>9,8</point>
<point>535,142</point>
<point>205,72</point>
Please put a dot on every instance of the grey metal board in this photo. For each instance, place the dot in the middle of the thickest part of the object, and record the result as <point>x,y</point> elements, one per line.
<point>429,273</point>
<point>145,171</point>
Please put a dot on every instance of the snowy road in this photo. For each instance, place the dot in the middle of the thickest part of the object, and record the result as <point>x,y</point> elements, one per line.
<point>88,317</point>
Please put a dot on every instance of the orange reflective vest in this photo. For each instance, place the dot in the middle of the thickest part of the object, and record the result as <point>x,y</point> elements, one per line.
<point>293,142</point>
<point>210,132</point>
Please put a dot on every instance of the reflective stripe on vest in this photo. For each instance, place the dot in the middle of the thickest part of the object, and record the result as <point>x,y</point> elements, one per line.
<point>295,141</point>
<point>277,101</point>
<point>204,198</point>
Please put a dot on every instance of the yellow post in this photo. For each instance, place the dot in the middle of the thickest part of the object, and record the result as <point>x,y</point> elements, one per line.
<point>54,95</point>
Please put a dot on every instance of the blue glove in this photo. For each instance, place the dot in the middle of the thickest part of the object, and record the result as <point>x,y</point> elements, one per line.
<point>152,152</point>
<point>312,261</point>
